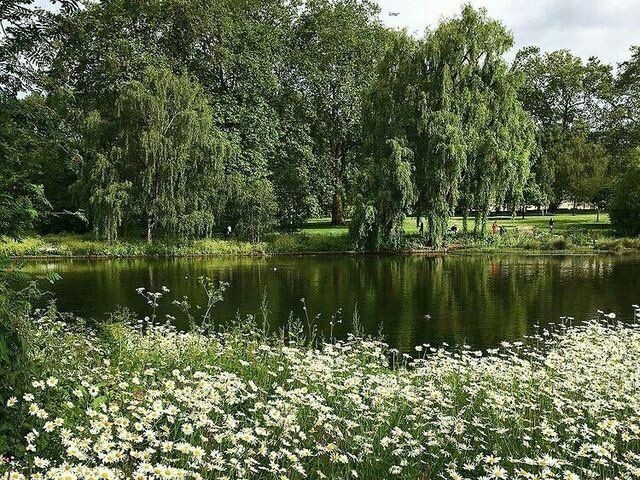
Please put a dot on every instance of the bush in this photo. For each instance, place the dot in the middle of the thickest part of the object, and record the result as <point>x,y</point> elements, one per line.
<point>617,244</point>
<point>16,290</point>
<point>625,206</point>
<point>558,243</point>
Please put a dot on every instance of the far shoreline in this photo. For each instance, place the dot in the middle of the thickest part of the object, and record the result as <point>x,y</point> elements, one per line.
<point>580,234</point>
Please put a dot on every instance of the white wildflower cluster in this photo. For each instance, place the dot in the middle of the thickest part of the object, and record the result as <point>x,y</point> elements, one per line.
<point>170,405</point>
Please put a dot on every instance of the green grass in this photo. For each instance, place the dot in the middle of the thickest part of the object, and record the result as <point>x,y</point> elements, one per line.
<point>571,232</point>
<point>87,246</point>
<point>563,222</point>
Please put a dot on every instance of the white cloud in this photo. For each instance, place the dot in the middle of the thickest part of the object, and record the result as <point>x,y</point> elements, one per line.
<point>604,28</point>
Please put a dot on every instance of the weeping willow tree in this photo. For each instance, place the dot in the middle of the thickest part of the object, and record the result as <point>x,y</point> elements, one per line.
<point>386,188</point>
<point>452,102</point>
<point>499,158</point>
<point>474,138</point>
<point>109,197</point>
<point>498,132</point>
<point>441,149</point>
<point>387,193</point>
<point>168,144</point>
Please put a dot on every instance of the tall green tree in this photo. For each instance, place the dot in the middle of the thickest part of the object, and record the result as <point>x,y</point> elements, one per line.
<point>243,54</point>
<point>22,200</point>
<point>386,195</point>
<point>162,140</point>
<point>622,132</point>
<point>385,181</point>
<point>566,97</point>
<point>474,137</point>
<point>293,167</point>
<point>582,167</point>
<point>339,42</point>
<point>454,101</point>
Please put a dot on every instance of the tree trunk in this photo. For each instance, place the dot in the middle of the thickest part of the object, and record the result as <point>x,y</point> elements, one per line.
<point>465,220</point>
<point>597,215</point>
<point>337,215</point>
<point>524,211</point>
<point>150,224</point>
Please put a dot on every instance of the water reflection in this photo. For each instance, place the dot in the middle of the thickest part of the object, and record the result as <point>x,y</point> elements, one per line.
<point>480,299</point>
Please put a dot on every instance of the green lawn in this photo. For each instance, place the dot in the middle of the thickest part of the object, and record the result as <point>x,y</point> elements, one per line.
<point>563,222</point>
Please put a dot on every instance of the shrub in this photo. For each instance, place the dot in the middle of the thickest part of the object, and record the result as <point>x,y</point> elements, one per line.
<point>625,206</point>
<point>557,243</point>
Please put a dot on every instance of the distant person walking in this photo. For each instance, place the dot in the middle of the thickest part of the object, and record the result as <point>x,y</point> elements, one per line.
<point>227,231</point>
<point>494,227</point>
<point>421,228</point>
<point>551,224</point>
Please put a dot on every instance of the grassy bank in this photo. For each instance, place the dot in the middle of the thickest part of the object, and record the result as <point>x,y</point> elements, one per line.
<point>127,403</point>
<point>573,233</point>
<point>87,246</point>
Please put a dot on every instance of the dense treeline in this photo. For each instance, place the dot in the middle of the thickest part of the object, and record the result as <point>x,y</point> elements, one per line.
<point>180,117</point>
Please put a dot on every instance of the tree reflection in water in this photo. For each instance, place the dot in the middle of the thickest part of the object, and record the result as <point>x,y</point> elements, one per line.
<point>480,300</point>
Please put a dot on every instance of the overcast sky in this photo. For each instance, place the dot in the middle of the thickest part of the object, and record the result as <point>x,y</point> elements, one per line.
<point>605,28</point>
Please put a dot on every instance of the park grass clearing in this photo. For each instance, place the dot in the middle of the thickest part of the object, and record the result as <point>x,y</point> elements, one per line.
<point>579,233</point>
<point>563,222</point>
<point>133,400</point>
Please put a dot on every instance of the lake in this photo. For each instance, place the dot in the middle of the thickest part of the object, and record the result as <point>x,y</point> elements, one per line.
<point>479,299</point>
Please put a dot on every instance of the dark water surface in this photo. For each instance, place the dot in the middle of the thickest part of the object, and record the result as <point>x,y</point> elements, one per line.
<point>479,300</point>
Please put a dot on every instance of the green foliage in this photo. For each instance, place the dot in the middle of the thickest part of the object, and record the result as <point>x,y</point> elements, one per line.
<point>567,99</point>
<point>625,204</point>
<point>582,168</point>
<point>255,209</point>
<point>454,102</point>
<point>13,344</point>
<point>109,198</point>
<point>387,193</point>
<point>165,142</point>
<point>386,185</point>
<point>294,178</point>
<point>17,290</point>
<point>164,114</point>
<point>21,200</point>
<point>337,43</point>
<point>623,118</point>
<point>26,27</point>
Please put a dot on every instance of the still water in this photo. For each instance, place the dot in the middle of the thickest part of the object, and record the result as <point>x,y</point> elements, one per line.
<point>479,300</point>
